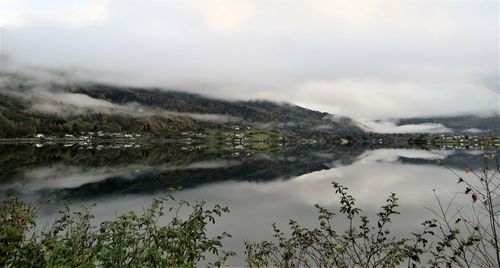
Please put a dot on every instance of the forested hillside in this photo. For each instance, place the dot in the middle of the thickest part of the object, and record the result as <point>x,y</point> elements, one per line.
<point>28,107</point>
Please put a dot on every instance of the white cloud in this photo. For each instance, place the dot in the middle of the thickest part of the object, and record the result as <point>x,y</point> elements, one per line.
<point>474,130</point>
<point>392,127</point>
<point>10,13</point>
<point>69,13</point>
<point>224,15</point>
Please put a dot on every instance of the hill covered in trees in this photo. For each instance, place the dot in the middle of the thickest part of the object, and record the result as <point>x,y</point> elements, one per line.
<point>29,106</point>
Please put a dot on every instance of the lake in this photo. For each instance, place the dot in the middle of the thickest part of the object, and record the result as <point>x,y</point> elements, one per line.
<point>258,187</point>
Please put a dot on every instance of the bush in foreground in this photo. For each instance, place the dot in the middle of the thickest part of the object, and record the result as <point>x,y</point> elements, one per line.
<point>462,238</point>
<point>129,240</point>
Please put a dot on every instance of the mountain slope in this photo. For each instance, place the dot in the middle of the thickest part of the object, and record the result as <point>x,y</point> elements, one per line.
<point>28,107</point>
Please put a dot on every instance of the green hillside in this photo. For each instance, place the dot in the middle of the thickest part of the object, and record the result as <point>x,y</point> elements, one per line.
<point>21,113</point>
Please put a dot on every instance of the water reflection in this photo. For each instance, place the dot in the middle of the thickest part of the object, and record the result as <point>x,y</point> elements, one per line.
<point>260,188</point>
<point>83,174</point>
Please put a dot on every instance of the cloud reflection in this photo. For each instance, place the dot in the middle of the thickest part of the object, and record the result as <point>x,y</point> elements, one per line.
<point>60,176</point>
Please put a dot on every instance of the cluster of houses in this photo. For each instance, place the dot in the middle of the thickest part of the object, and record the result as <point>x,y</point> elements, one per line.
<point>191,134</point>
<point>464,141</point>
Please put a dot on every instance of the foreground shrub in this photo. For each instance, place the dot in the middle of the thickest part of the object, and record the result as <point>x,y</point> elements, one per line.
<point>129,240</point>
<point>361,245</point>
<point>467,237</point>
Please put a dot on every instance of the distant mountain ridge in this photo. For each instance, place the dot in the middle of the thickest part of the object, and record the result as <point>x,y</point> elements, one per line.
<point>28,107</point>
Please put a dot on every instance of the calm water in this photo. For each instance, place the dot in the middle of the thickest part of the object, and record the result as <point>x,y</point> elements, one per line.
<point>259,188</point>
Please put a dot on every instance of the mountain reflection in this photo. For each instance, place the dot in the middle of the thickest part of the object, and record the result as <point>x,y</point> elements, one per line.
<point>87,173</point>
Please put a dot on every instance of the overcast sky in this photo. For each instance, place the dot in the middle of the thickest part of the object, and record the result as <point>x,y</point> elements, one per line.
<point>364,59</point>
